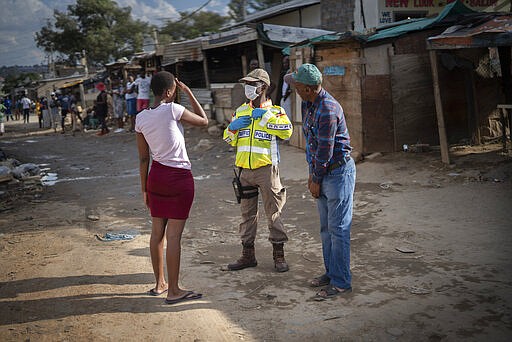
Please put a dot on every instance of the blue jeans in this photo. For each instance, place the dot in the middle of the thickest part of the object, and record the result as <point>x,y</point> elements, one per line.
<point>335,209</point>
<point>131,106</point>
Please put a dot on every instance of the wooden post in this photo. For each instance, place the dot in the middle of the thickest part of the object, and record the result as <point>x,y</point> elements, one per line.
<point>245,65</point>
<point>443,142</point>
<point>472,107</point>
<point>261,56</point>
<point>506,120</point>
<point>82,102</point>
<point>205,69</point>
<point>179,93</point>
<point>477,112</point>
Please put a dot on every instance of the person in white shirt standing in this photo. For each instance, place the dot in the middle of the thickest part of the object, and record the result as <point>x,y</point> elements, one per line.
<point>130,95</point>
<point>143,87</point>
<point>25,101</point>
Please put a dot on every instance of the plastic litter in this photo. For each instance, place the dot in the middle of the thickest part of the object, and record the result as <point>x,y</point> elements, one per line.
<point>26,170</point>
<point>49,179</point>
<point>404,249</point>
<point>114,237</point>
<point>386,185</point>
<point>4,171</point>
<point>417,290</point>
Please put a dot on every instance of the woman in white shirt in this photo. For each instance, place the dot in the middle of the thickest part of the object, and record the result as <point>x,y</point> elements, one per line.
<point>168,189</point>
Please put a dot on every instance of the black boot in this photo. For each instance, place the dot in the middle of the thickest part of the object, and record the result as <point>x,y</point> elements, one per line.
<point>247,259</point>
<point>279,261</point>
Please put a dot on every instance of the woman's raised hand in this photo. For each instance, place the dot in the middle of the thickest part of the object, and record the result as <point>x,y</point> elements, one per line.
<point>181,85</point>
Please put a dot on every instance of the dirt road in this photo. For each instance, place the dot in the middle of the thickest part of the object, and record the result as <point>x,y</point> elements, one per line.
<point>451,281</point>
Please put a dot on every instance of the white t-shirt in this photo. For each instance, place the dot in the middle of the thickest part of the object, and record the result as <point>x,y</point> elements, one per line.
<point>26,103</point>
<point>144,87</point>
<point>132,95</point>
<point>163,132</point>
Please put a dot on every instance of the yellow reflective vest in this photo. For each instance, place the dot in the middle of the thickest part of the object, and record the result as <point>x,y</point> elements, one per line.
<point>256,145</point>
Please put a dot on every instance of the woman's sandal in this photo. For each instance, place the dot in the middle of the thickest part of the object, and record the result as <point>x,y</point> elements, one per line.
<point>322,280</point>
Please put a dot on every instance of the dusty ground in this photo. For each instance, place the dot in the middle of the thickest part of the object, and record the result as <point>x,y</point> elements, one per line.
<point>60,283</point>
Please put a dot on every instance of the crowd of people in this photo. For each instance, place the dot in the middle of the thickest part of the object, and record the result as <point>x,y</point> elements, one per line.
<point>255,130</point>
<point>116,104</point>
<point>50,112</point>
<point>22,106</point>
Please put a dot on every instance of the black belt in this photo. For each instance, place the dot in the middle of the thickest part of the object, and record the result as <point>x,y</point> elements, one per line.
<point>339,163</point>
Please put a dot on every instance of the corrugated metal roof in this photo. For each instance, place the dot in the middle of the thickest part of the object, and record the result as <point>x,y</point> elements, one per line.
<point>453,9</point>
<point>291,34</point>
<point>185,51</point>
<point>275,35</point>
<point>496,31</point>
<point>275,10</point>
<point>233,36</point>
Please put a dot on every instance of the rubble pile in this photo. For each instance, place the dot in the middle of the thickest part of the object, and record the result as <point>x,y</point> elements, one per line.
<point>18,181</point>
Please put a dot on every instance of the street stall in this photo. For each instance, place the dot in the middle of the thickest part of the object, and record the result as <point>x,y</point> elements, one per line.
<point>384,82</point>
<point>481,48</point>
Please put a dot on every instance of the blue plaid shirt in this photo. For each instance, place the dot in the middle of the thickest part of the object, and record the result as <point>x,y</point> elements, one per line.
<point>327,138</point>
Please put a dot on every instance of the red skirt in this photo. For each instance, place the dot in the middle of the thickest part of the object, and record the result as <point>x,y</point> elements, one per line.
<point>170,191</point>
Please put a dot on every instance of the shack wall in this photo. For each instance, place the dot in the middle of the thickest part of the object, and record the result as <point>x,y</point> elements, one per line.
<point>414,113</point>
<point>342,69</point>
<point>377,103</point>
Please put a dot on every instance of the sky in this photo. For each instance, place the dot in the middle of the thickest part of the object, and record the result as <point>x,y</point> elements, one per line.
<point>21,19</point>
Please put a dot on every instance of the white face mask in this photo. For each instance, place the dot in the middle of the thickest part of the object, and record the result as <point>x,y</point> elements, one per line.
<point>250,92</point>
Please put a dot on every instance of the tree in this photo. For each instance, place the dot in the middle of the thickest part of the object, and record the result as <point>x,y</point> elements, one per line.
<point>192,25</point>
<point>13,81</point>
<point>239,8</point>
<point>259,5</point>
<point>100,27</point>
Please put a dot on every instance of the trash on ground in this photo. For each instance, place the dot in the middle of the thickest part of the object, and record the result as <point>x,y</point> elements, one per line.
<point>5,174</point>
<point>386,185</point>
<point>49,179</point>
<point>419,290</point>
<point>114,237</point>
<point>26,170</point>
<point>93,217</point>
<point>417,148</point>
<point>404,249</point>
<point>202,177</point>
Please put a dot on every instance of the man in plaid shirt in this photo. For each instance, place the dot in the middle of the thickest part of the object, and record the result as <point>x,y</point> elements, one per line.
<point>332,176</point>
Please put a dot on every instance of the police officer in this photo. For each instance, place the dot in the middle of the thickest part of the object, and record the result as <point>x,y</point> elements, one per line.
<point>254,130</point>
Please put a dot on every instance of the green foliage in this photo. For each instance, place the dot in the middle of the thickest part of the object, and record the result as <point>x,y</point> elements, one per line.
<point>13,81</point>
<point>237,8</point>
<point>259,5</point>
<point>100,27</point>
<point>193,25</point>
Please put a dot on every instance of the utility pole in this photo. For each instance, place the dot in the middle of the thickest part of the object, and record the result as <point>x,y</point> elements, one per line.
<point>51,64</point>
<point>84,63</point>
